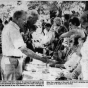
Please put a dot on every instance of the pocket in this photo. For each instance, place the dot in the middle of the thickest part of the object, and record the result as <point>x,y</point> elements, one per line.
<point>14,61</point>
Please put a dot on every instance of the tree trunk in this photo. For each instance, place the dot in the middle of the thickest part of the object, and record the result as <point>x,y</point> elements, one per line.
<point>86,6</point>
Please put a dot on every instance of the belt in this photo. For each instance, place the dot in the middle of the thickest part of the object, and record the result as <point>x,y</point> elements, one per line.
<point>13,56</point>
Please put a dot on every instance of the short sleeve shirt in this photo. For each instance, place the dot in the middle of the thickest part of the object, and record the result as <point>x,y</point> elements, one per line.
<point>12,40</point>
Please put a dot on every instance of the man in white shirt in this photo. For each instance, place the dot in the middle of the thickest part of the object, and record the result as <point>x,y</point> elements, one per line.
<point>14,49</point>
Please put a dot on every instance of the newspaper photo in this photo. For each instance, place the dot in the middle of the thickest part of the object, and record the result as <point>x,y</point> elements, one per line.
<point>43,43</point>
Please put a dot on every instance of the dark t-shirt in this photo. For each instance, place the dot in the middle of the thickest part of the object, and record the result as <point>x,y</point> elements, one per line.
<point>1,27</point>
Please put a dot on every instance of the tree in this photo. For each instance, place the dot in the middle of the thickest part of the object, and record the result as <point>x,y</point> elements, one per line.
<point>2,5</point>
<point>86,5</point>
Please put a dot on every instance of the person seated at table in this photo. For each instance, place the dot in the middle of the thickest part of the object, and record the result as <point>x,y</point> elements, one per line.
<point>72,65</point>
<point>73,30</point>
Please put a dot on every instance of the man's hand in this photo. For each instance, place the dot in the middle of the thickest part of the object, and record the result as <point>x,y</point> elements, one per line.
<point>45,59</point>
<point>50,61</point>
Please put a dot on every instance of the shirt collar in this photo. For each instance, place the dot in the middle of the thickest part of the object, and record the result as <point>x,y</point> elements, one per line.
<point>15,25</point>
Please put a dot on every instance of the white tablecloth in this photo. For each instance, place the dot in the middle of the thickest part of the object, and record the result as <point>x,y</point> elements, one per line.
<point>36,71</point>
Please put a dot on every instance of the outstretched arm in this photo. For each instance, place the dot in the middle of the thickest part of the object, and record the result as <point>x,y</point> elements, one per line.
<point>30,53</point>
<point>68,34</point>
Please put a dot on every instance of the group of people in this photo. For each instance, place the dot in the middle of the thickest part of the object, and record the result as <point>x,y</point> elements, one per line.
<point>66,48</point>
<point>70,46</point>
<point>14,48</point>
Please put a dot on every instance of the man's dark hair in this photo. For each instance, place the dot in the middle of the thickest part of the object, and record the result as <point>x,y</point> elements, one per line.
<point>47,25</point>
<point>33,28</point>
<point>75,21</point>
<point>30,27</point>
<point>18,14</point>
<point>67,16</point>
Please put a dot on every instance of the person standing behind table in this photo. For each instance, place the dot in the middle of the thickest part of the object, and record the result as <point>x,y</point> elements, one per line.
<point>27,37</point>
<point>14,49</point>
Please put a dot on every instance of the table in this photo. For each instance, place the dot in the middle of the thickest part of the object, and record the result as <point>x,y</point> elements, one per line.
<point>36,70</point>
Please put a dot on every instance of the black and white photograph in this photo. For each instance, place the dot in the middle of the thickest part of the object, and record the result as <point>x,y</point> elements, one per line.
<point>43,40</point>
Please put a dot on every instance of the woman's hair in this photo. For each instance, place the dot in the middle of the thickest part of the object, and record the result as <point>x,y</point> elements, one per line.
<point>57,20</point>
<point>75,21</point>
<point>47,25</point>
